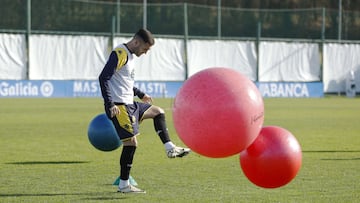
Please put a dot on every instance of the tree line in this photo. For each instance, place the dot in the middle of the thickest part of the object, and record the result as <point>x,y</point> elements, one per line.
<point>239,18</point>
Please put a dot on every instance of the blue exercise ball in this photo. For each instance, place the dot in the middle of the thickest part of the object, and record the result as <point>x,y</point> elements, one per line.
<point>102,134</point>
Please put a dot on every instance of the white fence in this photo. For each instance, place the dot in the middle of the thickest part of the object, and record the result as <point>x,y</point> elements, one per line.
<point>67,57</point>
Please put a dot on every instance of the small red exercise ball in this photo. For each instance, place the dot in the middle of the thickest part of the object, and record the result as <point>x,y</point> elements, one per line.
<point>218,112</point>
<point>273,159</point>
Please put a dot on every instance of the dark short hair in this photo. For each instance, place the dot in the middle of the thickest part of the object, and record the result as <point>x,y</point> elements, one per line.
<point>145,35</point>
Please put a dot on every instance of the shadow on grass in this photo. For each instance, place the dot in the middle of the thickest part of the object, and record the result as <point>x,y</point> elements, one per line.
<point>335,151</point>
<point>104,198</point>
<point>96,196</point>
<point>47,162</point>
<point>330,151</point>
<point>41,194</point>
<point>341,159</point>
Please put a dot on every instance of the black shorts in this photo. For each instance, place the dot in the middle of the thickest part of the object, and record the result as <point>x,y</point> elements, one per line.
<point>127,122</point>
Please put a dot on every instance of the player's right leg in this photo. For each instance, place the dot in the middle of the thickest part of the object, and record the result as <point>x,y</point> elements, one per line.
<point>158,116</point>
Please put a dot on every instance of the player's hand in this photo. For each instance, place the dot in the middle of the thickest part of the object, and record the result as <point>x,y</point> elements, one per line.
<point>147,99</point>
<point>114,111</point>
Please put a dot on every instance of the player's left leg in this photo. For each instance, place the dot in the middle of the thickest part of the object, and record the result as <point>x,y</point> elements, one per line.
<point>127,129</point>
<point>126,160</point>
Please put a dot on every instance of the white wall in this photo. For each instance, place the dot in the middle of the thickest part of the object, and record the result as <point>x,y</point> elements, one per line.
<point>237,55</point>
<point>12,56</point>
<point>67,57</point>
<point>164,61</point>
<point>339,59</point>
<point>291,62</point>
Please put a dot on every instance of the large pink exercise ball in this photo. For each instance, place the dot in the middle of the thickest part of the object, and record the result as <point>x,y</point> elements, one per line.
<point>218,112</point>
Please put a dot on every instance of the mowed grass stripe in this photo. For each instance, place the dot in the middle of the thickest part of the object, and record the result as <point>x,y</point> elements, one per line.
<point>46,156</point>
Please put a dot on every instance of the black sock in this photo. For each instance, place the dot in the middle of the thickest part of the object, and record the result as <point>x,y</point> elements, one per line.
<point>161,129</point>
<point>126,159</point>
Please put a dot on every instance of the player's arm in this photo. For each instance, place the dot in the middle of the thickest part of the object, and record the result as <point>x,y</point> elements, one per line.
<point>138,92</point>
<point>144,97</point>
<point>104,79</point>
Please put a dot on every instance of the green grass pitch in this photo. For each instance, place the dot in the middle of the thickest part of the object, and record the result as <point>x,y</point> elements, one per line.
<point>46,156</point>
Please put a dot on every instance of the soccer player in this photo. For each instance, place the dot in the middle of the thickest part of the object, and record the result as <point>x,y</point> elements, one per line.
<point>118,91</point>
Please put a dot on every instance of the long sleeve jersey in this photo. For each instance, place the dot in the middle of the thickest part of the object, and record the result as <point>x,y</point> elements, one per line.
<point>117,78</point>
